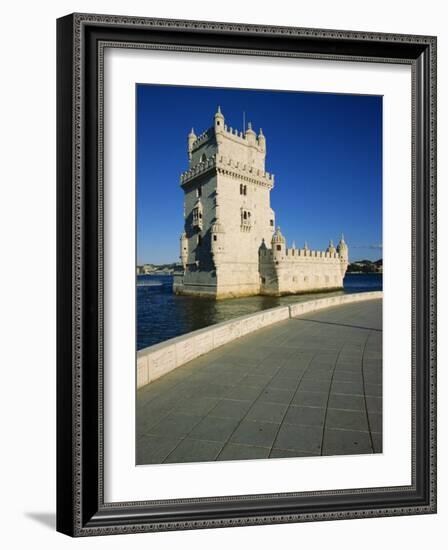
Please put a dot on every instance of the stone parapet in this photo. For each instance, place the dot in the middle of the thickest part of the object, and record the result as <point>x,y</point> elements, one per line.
<point>228,166</point>
<point>155,361</point>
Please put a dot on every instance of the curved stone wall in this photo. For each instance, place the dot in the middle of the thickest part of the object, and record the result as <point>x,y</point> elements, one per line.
<point>155,361</point>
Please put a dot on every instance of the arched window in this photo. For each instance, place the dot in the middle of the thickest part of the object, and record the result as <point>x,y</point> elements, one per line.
<point>199,240</point>
<point>203,157</point>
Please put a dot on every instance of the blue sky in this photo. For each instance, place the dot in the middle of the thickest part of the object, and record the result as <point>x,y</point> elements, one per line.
<point>324,149</point>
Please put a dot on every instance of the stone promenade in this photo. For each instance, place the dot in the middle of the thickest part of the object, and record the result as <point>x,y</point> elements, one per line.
<point>307,386</point>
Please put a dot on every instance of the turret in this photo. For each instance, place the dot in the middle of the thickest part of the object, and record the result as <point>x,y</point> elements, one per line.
<point>191,139</point>
<point>217,241</point>
<point>250,135</point>
<point>219,121</point>
<point>262,140</point>
<point>278,244</point>
<point>183,249</point>
<point>342,249</point>
<point>331,249</point>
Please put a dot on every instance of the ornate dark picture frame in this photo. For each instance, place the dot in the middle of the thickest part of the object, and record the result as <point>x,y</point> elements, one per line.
<point>81,509</point>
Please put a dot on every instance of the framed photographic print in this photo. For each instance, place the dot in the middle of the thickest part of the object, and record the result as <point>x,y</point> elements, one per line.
<point>246,274</point>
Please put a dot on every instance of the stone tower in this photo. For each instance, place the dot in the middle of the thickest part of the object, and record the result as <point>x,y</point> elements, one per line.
<point>229,225</point>
<point>227,212</point>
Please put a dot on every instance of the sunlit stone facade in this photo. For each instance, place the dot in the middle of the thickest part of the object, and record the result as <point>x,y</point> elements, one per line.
<point>230,246</point>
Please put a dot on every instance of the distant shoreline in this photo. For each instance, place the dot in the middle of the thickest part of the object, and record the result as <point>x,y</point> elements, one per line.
<point>364,273</point>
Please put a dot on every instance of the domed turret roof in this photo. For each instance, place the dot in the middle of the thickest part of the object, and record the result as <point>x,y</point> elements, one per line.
<point>249,129</point>
<point>277,237</point>
<point>219,114</point>
<point>331,248</point>
<point>342,245</point>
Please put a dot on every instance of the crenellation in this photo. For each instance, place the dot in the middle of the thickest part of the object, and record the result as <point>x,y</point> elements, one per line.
<point>224,247</point>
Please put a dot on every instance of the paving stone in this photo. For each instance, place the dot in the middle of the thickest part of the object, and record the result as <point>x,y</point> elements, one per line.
<point>374,390</point>
<point>346,442</point>
<point>266,370</point>
<point>310,399</point>
<point>285,453</point>
<point>175,425</point>
<point>211,390</point>
<point>260,434</point>
<point>196,406</point>
<point>374,404</point>
<point>291,372</point>
<point>231,408</point>
<point>299,438</point>
<point>283,383</point>
<point>349,420</point>
<point>213,428</point>
<point>256,380</point>
<point>194,450</point>
<point>267,412</point>
<point>376,422</point>
<point>377,439</point>
<point>347,376</point>
<point>152,449</point>
<point>242,452</point>
<point>148,418</point>
<point>275,395</point>
<point>322,375</point>
<point>315,385</point>
<point>344,401</point>
<point>305,416</point>
<point>243,393</point>
<point>349,388</point>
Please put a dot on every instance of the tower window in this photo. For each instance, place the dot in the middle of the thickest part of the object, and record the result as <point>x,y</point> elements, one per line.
<point>197,217</point>
<point>243,189</point>
<point>271,222</point>
<point>203,157</point>
<point>279,247</point>
<point>215,238</point>
<point>199,191</point>
<point>245,219</point>
<point>199,240</point>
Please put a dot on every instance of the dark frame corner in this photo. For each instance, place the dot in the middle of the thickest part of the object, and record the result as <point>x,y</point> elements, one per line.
<point>81,510</point>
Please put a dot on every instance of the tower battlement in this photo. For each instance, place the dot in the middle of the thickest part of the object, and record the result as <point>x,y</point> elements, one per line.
<point>227,165</point>
<point>228,221</point>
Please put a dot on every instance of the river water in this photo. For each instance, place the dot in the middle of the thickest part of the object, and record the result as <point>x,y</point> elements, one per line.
<point>162,315</point>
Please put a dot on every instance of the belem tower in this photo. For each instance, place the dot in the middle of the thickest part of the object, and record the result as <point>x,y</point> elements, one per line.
<point>231,246</point>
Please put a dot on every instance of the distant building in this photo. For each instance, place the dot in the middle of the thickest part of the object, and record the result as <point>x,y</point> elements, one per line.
<point>230,246</point>
<point>147,268</point>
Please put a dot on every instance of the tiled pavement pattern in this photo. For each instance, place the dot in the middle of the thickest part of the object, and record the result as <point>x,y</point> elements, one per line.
<point>306,386</point>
